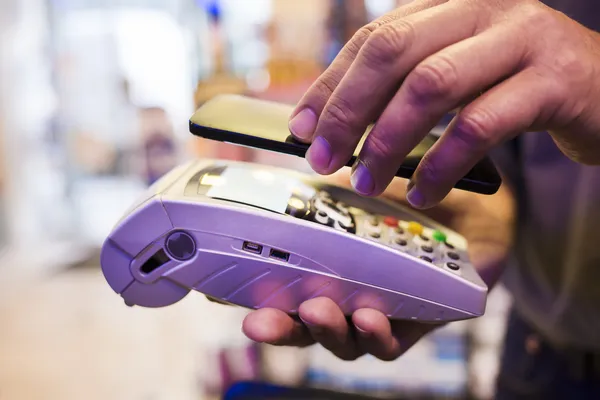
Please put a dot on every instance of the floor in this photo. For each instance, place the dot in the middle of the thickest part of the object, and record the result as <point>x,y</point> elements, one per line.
<point>65,335</point>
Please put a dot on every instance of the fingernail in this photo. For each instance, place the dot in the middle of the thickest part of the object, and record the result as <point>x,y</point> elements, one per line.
<point>362,331</point>
<point>414,196</point>
<point>361,179</point>
<point>303,124</point>
<point>315,329</point>
<point>319,154</point>
<point>305,322</point>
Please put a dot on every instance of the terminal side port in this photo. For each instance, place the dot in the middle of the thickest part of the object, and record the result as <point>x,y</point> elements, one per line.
<point>252,247</point>
<point>279,255</point>
<point>156,261</point>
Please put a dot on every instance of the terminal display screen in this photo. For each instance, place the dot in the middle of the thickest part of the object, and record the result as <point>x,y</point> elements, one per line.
<point>256,187</point>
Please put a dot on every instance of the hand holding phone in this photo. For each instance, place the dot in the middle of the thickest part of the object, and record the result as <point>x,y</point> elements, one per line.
<point>264,125</point>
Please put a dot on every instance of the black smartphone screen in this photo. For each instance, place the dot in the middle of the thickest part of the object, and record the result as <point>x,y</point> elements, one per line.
<point>261,124</point>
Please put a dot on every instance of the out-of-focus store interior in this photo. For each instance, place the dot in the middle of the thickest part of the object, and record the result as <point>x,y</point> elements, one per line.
<point>95,98</point>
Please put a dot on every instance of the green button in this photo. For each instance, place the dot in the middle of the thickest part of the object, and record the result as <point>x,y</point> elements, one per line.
<point>439,236</point>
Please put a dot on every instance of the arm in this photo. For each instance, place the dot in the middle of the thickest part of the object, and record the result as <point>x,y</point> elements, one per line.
<point>509,67</point>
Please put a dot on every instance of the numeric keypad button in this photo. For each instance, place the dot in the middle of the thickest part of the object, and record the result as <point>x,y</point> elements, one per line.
<point>414,228</point>
<point>372,221</point>
<point>453,266</point>
<point>391,222</point>
<point>341,226</point>
<point>322,217</point>
<point>401,242</point>
<point>320,205</point>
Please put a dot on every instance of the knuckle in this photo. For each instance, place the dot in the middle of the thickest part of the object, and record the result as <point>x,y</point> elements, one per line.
<point>434,78</point>
<point>550,24</point>
<point>532,15</point>
<point>428,171</point>
<point>556,90</point>
<point>569,64</point>
<point>558,97</point>
<point>360,38</point>
<point>333,75</point>
<point>338,113</point>
<point>367,30</point>
<point>328,83</point>
<point>474,129</point>
<point>379,147</point>
<point>387,42</point>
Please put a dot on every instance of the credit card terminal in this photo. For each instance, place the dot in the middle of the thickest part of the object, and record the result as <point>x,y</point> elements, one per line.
<point>259,236</point>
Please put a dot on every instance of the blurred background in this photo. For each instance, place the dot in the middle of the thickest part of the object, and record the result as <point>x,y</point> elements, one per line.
<point>95,98</point>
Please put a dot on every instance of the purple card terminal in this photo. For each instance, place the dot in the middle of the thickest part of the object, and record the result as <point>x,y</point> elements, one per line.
<point>258,236</point>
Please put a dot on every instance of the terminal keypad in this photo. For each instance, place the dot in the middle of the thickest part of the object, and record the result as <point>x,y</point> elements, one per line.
<point>424,243</point>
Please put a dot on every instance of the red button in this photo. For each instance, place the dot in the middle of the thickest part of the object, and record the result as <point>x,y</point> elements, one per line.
<point>390,221</point>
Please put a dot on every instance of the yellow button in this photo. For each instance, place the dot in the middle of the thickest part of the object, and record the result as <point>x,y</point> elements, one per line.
<point>415,228</point>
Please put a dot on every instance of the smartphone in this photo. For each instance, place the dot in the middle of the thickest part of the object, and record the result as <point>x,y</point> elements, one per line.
<point>263,124</point>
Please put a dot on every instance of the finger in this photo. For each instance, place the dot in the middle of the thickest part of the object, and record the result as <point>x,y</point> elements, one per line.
<point>408,333</point>
<point>275,327</point>
<point>303,120</point>
<point>328,326</point>
<point>395,191</point>
<point>445,213</point>
<point>374,334</point>
<point>508,109</point>
<point>389,54</point>
<point>434,87</point>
